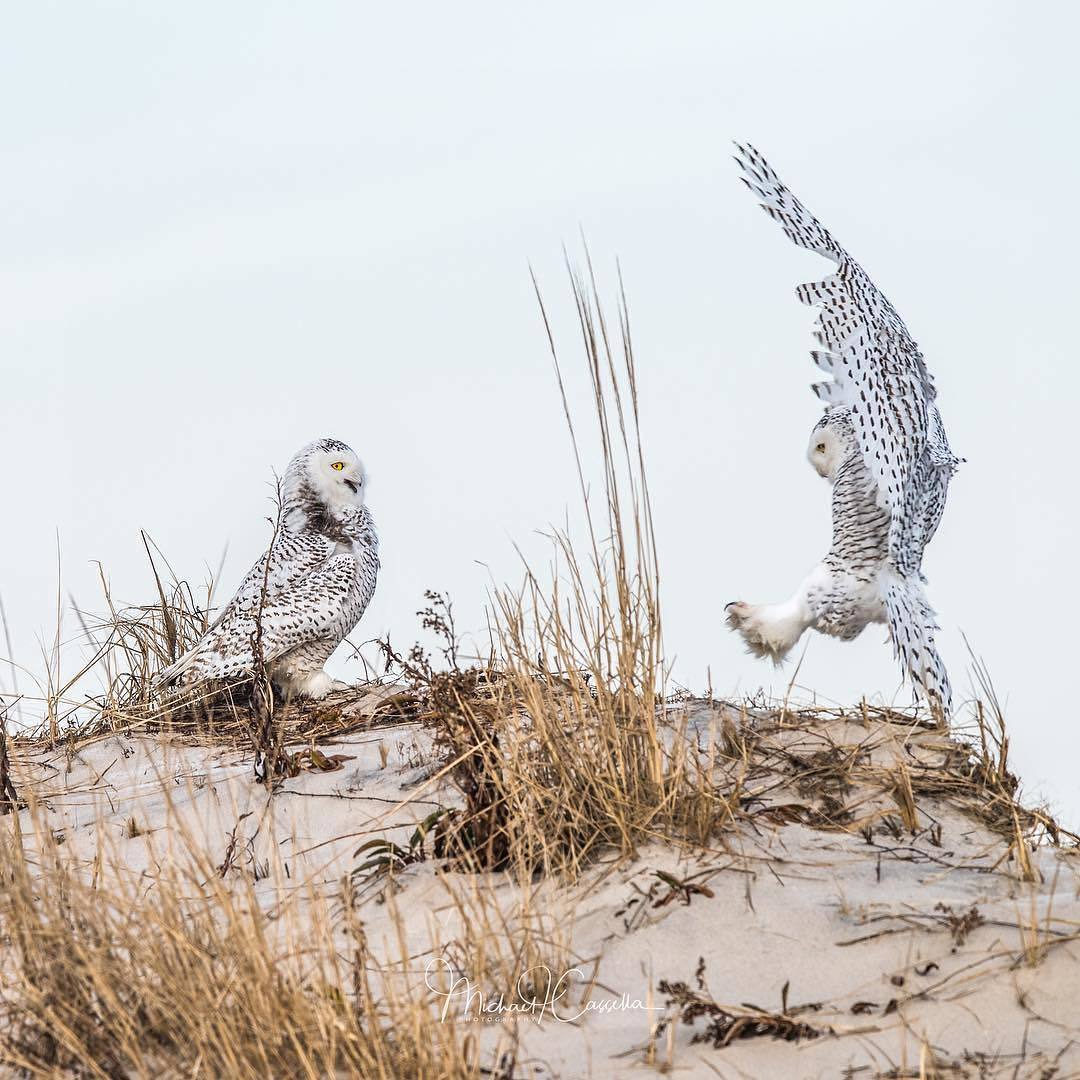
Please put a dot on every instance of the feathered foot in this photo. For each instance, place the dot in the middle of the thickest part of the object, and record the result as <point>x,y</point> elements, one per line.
<point>313,686</point>
<point>769,630</point>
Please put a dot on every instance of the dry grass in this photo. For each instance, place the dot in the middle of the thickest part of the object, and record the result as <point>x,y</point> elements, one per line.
<point>9,797</point>
<point>572,699</point>
<point>112,977</point>
<point>563,747</point>
<point>107,975</point>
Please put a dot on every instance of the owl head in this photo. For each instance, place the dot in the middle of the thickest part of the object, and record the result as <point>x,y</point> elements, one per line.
<point>325,475</point>
<point>830,442</point>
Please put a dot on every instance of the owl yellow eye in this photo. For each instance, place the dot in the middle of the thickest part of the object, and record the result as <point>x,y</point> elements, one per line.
<point>337,466</point>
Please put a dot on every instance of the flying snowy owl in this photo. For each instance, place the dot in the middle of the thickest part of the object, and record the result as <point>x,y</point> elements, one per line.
<point>881,445</point>
<point>308,590</point>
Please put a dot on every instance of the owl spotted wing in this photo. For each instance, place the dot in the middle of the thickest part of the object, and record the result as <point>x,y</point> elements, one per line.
<point>292,557</point>
<point>300,564</point>
<point>876,371</point>
<point>307,611</point>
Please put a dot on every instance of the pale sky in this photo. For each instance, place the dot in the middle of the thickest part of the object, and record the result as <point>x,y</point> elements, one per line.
<point>231,229</point>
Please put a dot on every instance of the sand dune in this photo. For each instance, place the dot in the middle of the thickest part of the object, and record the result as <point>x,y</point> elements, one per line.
<point>876,904</point>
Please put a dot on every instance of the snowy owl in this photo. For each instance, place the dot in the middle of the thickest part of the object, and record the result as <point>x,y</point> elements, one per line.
<point>882,447</point>
<point>308,590</point>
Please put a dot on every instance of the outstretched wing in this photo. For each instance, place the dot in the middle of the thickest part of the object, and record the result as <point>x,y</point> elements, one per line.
<point>911,627</point>
<point>877,371</point>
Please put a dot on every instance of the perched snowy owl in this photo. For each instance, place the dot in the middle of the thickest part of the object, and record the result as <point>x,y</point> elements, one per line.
<point>308,591</point>
<point>881,445</point>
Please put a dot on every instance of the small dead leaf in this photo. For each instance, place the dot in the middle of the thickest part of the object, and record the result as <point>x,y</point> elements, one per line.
<point>677,889</point>
<point>314,760</point>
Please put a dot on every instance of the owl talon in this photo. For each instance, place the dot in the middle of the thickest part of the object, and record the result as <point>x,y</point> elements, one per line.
<point>769,631</point>
<point>737,611</point>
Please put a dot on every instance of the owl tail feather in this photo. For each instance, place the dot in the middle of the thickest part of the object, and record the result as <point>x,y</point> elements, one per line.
<point>173,673</point>
<point>911,626</point>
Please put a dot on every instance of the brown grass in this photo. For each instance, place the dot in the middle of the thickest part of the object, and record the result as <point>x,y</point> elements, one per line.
<point>111,975</point>
<point>9,797</point>
<point>563,747</point>
<point>573,697</point>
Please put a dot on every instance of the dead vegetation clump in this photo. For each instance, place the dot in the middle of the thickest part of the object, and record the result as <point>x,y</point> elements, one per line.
<point>960,924</point>
<point>880,773</point>
<point>562,745</point>
<point>725,1024</point>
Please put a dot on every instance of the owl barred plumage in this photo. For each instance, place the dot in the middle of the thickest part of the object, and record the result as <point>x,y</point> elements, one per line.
<point>882,445</point>
<point>310,588</point>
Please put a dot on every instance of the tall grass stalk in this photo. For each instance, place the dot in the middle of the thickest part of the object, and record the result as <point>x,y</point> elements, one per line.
<point>574,752</point>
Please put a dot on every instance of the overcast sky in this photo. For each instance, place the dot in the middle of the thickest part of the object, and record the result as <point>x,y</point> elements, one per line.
<point>229,229</point>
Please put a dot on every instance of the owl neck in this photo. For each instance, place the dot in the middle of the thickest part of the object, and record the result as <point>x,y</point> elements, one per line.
<point>343,524</point>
